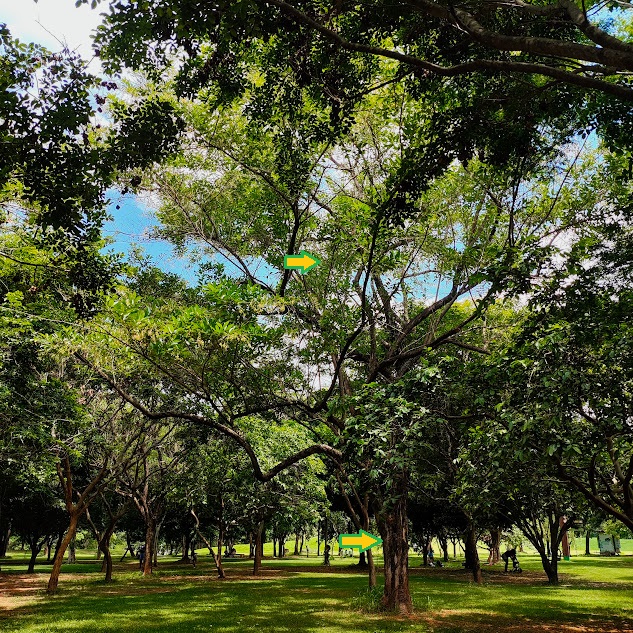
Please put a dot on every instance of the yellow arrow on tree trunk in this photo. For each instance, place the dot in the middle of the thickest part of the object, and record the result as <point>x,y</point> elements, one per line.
<point>361,541</point>
<point>302,262</point>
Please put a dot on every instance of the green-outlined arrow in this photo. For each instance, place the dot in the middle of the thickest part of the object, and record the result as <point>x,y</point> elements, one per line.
<point>302,262</point>
<point>361,541</point>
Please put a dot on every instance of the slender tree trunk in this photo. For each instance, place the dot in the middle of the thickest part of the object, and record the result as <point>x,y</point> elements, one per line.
<point>5,534</point>
<point>495,538</point>
<point>185,548</point>
<point>296,552</point>
<point>274,547</point>
<point>393,526</point>
<point>53,581</point>
<point>444,545</point>
<point>36,548</point>
<point>72,553</point>
<point>372,569</point>
<point>587,544</point>
<point>257,563</point>
<point>104,546</point>
<point>159,525</point>
<point>218,559</point>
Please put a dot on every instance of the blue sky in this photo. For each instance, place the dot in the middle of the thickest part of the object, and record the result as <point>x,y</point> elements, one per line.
<point>54,23</point>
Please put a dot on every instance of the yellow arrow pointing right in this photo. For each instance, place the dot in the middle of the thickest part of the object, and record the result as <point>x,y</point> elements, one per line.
<point>361,541</point>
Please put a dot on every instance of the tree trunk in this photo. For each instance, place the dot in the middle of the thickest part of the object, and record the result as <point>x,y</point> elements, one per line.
<point>444,545</point>
<point>372,569</point>
<point>53,581</point>
<point>362,561</point>
<point>58,544</point>
<point>150,536</point>
<point>159,525</point>
<point>218,558</point>
<point>495,543</point>
<point>472,555</point>
<point>587,544</point>
<point>274,548</point>
<point>296,552</point>
<point>393,526</point>
<point>5,535</point>
<point>104,545</point>
<point>72,552</point>
<point>35,550</point>
<point>186,540</point>
<point>550,565</point>
<point>257,562</point>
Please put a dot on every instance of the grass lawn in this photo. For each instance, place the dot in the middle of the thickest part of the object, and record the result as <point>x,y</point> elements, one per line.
<point>299,595</point>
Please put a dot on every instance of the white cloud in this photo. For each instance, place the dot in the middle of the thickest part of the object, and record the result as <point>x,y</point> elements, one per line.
<point>52,23</point>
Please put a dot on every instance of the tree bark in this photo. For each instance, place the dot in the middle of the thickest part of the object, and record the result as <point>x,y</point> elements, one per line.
<point>150,536</point>
<point>104,546</point>
<point>53,581</point>
<point>472,555</point>
<point>443,539</point>
<point>372,569</point>
<point>587,543</point>
<point>393,526</point>
<point>36,548</point>
<point>257,561</point>
<point>495,538</point>
<point>296,552</point>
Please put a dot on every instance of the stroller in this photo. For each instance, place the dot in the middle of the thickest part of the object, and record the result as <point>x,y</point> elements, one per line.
<point>511,555</point>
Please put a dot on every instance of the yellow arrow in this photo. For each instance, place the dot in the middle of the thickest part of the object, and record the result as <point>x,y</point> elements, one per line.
<point>302,262</point>
<point>362,541</point>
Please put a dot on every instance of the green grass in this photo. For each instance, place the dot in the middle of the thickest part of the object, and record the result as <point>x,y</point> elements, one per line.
<point>299,595</point>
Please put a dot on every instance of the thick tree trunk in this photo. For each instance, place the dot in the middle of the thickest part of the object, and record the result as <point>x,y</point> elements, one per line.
<point>472,555</point>
<point>362,561</point>
<point>550,566</point>
<point>393,526</point>
<point>53,581</point>
<point>150,536</point>
<point>296,552</point>
<point>257,562</point>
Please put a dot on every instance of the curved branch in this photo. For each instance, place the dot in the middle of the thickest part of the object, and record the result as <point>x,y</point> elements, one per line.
<point>458,69</point>
<point>234,434</point>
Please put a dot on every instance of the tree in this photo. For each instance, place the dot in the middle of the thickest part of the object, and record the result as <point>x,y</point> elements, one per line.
<point>489,77</point>
<point>277,345</point>
<point>569,366</point>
